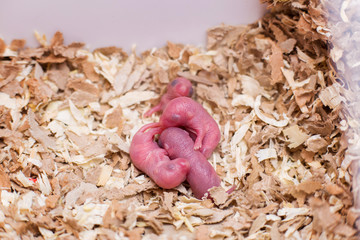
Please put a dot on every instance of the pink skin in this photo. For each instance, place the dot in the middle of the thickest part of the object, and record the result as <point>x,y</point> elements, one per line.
<point>179,87</point>
<point>179,144</point>
<point>148,157</point>
<point>185,112</point>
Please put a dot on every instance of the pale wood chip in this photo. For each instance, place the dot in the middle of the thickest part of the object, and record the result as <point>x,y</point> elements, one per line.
<point>110,50</point>
<point>52,200</point>
<point>89,145</point>
<point>302,97</point>
<point>104,175</point>
<point>2,46</point>
<point>135,234</point>
<point>219,195</point>
<point>195,78</point>
<point>345,230</point>
<point>216,34</point>
<point>132,98</point>
<point>295,136</point>
<point>83,99</point>
<point>5,183</point>
<point>93,174</point>
<point>17,44</point>
<point>309,186</point>
<point>78,192</point>
<point>218,216</point>
<point>89,71</point>
<point>352,216</point>
<point>39,133</point>
<point>155,224</point>
<point>81,84</point>
<point>202,233</point>
<point>174,50</point>
<point>266,210</point>
<point>213,94</point>
<point>279,34</point>
<point>31,52</point>
<point>324,219</point>
<point>13,72</point>
<point>129,190</point>
<point>122,75</point>
<point>160,75</point>
<point>288,45</point>
<point>51,59</point>
<point>334,189</point>
<point>168,200</point>
<point>276,63</point>
<point>200,62</point>
<point>59,73</point>
<point>44,184</point>
<point>331,97</point>
<point>258,223</point>
<point>5,133</point>
<point>135,76</point>
<point>316,143</point>
<point>265,118</point>
<point>114,118</point>
<point>38,71</point>
<point>40,91</point>
<point>69,51</point>
<point>203,212</point>
<point>274,232</point>
<point>57,39</point>
<point>13,88</point>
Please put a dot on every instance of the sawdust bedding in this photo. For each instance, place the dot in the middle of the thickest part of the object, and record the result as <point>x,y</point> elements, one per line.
<point>67,117</point>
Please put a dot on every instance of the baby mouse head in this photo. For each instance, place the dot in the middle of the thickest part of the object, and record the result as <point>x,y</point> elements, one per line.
<point>181,87</point>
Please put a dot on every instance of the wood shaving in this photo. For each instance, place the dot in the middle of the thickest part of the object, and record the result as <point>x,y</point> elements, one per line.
<point>295,136</point>
<point>59,73</point>
<point>258,223</point>
<point>266,119</point>
<point>104,175</point>
<point>219,195</point>
<point>276,62</point>
<point>290,132</point>
<point>39,133</point>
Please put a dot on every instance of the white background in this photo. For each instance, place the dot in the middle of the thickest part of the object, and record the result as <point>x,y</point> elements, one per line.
<point>146,23</point>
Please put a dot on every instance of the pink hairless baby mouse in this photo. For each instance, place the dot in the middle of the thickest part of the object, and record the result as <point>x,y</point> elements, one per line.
<point>148,157</point>
<point>179,144</point>
<point>185,112</point>
<point>179,87</point>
